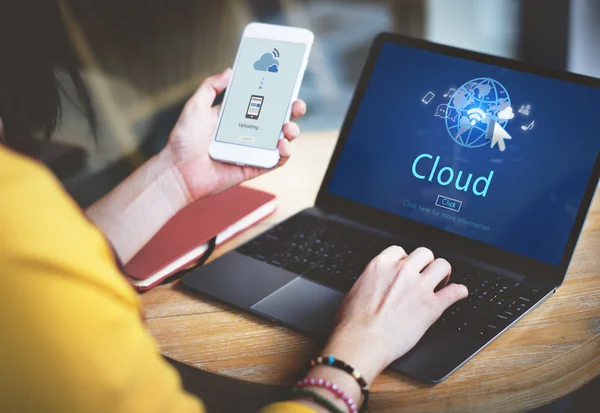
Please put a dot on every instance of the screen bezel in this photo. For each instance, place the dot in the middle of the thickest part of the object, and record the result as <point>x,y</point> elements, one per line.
<point>431,236</point>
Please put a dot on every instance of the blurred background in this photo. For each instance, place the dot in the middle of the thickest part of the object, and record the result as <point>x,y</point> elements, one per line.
<point>143,58</point>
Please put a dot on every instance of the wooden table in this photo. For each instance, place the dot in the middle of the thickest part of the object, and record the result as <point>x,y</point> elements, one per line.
<point>549,354</point>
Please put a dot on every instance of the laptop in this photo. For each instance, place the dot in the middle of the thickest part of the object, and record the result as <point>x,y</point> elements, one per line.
<point>491,163</point>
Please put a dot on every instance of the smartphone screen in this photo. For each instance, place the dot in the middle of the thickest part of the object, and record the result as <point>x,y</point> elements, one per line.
<point>254,107</point>
<point>260,92</point>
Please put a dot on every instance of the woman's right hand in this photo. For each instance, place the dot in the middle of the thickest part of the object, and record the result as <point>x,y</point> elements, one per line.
<point>390,307</point>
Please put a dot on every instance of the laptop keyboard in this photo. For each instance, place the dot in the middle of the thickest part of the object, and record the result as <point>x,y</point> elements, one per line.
<point>493,303</point>
<point>335,255</point>
<point>326,252</point>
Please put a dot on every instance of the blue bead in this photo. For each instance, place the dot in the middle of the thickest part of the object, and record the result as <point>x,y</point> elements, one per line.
<point>330,360</point>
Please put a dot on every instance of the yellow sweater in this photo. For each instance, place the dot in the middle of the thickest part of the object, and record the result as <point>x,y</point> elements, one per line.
<point>72,337</point>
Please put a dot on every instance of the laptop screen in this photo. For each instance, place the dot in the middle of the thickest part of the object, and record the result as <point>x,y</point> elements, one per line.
<point>496,155</point>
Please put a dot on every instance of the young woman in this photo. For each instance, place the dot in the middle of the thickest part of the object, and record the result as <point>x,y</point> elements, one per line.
<point>73,338</point>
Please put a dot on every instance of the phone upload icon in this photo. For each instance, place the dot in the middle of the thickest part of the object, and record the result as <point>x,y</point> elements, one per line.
<point>254,106</point>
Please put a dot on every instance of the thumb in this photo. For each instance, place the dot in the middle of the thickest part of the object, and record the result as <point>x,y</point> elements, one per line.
<point>211,87</point>
<point>451,294</point>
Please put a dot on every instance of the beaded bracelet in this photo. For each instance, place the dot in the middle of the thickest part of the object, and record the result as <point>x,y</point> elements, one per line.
<point>339,364</point>
<point>317,398</point>
<point>334,388</point>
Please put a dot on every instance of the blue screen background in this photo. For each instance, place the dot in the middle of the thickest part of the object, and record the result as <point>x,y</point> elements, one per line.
<point>538,182</point>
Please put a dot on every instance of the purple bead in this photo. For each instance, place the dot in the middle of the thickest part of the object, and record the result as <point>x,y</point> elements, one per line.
<point>345,397</point>
<point>334,387</point>
<point>312,381</point>
<point>320,382</point>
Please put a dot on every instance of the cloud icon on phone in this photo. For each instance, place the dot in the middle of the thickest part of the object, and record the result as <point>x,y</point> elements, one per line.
<point>267,63</point>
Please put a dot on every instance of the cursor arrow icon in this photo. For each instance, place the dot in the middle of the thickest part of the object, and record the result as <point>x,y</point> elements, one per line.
<point>498,135</point>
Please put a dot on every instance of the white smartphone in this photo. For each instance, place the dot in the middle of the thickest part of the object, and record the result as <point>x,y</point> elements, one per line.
<point>267,74</point>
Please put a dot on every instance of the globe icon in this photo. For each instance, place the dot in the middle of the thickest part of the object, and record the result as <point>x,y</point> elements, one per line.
<point>471,110</point>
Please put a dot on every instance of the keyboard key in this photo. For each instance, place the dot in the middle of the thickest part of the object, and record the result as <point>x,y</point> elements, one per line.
<point>500,320</point>
<point>503,318</point>
<point>276,263</point>
<point>487,330</point>
<point>473,292</point>
<point>510,315</point>
<point>521,308</point>
<point>468,326</point>
<point>453,311</point>
<point>497,304</point>
<point>296,266</point>
<point>531,294</point>
<point>250,248</point>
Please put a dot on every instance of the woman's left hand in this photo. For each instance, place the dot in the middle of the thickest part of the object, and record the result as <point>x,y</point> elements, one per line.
<point>190,139</point>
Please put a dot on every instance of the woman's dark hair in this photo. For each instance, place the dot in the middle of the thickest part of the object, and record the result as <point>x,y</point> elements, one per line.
<point>34,47</point>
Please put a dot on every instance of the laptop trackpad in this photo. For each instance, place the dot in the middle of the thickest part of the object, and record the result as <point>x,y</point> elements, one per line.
<point>304,305</point>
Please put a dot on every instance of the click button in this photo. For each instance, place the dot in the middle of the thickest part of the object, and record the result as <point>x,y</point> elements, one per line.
<point>448,203</point>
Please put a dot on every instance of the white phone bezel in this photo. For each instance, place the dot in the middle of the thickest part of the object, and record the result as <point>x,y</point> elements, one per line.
<point>245,155</point>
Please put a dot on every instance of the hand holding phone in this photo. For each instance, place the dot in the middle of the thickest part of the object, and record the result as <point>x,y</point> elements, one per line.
<point>267,74</point>
<point>187,150</point>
